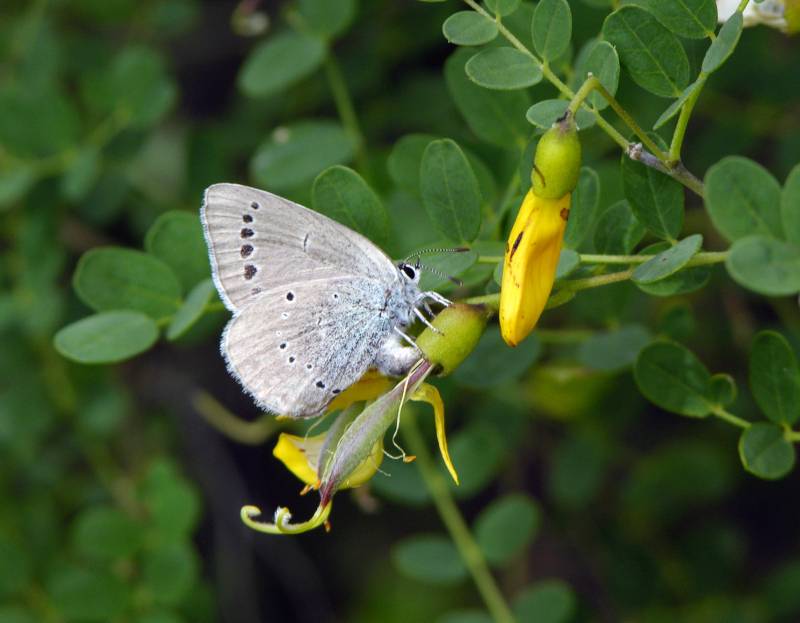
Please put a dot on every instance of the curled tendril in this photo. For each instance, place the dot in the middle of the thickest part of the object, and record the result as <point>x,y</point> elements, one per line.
<point>283,520</point>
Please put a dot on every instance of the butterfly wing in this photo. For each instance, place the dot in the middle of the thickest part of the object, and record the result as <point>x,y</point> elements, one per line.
<point>258,241</point>
<point>295,348</point>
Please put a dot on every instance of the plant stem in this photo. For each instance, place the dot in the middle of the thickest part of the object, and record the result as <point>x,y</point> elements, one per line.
<point>701,259</point>
<point>683,120</point>
<point>251,433</point>
<point>792,435</point>
<point>730,418</point>
<point>595,281</point>
<point>345,108</point>
<point>456,525</point>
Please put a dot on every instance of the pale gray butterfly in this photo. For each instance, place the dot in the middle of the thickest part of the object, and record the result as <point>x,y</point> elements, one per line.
<point>314,303</point>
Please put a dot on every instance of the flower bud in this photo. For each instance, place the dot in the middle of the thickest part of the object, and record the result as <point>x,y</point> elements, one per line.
<point>557,163</point>
<point>460,327</point>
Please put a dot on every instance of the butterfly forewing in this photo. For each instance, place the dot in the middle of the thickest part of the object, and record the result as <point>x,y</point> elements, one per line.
<point>259,241</point>
<point>296,347</point>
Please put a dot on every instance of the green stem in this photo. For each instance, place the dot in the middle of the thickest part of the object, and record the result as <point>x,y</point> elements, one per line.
<point>454,522</point>
<point>250,433</point>
<point>345,108</point>
<point>563,336</point>
<point>701,259</point>
<point>596,281</point>
<point>792,435</point>
<point>730,418</point>
<point>683,120</point>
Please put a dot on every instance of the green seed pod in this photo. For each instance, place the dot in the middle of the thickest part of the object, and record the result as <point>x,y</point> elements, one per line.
<point>557,162</point>
<point>460,327</point>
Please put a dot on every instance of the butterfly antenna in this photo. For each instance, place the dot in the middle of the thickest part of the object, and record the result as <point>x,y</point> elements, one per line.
<point>438,250</point>
<point>441,274</point>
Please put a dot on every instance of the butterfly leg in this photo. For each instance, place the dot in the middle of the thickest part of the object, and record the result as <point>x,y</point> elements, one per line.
<point>425,321</point>
<point>435,297</point>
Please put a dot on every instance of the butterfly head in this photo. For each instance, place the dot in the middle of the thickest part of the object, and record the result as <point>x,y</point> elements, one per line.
<point>409,272</point>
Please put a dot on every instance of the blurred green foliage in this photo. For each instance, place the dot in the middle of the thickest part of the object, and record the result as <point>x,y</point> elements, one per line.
<point>587,500</point>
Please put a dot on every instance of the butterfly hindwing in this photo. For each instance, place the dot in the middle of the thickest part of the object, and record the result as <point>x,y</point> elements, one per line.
<point>258,241</point>
<point>294,350</point>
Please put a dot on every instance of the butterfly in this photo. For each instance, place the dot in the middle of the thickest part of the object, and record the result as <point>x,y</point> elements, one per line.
<point>314,303</point>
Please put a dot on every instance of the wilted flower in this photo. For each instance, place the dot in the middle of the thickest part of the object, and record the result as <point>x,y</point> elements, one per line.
<point>781,14</point>
<point>534,245</point>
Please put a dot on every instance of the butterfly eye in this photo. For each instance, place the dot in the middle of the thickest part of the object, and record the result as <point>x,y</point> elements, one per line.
<point>409,271</point>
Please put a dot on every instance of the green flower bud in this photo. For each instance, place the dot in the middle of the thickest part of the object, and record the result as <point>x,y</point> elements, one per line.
<point>557,162</point>
<point>460,327</point>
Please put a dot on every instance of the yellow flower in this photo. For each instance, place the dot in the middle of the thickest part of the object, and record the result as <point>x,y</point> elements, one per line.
<point>534,245</point>
<point>529,267</point>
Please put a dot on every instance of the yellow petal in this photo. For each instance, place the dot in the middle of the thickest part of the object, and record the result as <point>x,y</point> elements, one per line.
<point>300,455</point>
<point>369,387</point>
<point>428,393</point>
<point>529,268</point>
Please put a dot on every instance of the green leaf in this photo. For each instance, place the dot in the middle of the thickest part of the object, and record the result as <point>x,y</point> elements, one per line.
<point>545,113</point>
<point>743,198</point>
<point>725,43</point>
<point>503,68</point>
<point>176,238</point>
<point>722,389</point>
<point>115,278</point>
<point>579,466</point>
<point>548,601</point>
<point>693,19</point>
<point>615,350</point>
<point>295,154</point>
<point>654,57</point>
<point>35,123</point>
<point>765,452</point>
<point>655,198</point>
<point>78,594</point>
<point>585,199</point>
<point>16,566</point>
<point>668,262</point>
<point>493,362</point>
<point>79,178</point>
<point>765,265</point>
<point>450,191</point>
<point>105,533</point>
<point>429,558</point>
<point>478,451</point>
<point>670,376</point>
<point>568,261</point>
<point>136,87</point>
<point>109,337</point>
<point>169,571</point>
<point>327,19</point>
<point>173,506</point>
<point>775,378</point>
<point>192,309</point>
<point>14,614</point>
<point>279,62</point>
<point>617,230</point>
<point>506,527</point>
<point>603,62</point>
<point>497,117</point>
<point>343,195</point>
<point>675,107</point>
<point>16,179</point>
<point>502,7</point>
<point>551,28</point>
<point>681,282</point>
<point>469,28</point>
<point>405,159</point>
<point>790,206</point>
